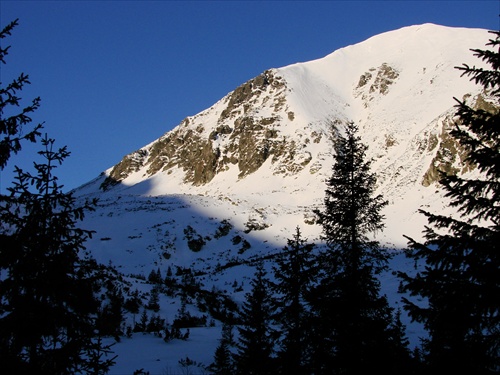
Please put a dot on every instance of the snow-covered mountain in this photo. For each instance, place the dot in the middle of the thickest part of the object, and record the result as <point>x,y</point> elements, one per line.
<point>231,183</point>
<point>267,145</point>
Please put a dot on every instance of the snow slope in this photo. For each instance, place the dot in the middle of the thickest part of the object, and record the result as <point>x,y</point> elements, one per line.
<point>258,159</point>
<point>398,86</point>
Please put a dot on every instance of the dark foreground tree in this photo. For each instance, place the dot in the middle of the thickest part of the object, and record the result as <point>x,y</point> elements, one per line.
<point>47,297</point>
<point>294,276</point>
<point>47,303</point>
<point>223,362</point>
<point>356,331</point>
<point>13,124</point>
<point>461,255</point>
<point>255,346</point>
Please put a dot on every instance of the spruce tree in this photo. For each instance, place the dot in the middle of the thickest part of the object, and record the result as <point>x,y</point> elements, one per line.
<point>354,325</point>
<point>47,292</point>
<point>13,131</point>
<point>222,364</point>
<point>223,358</point>
<point>111,313</point>
<point>460,277</point>
<point>255,346</point>
<point>154,299</point>
<point>293,274</point>
<point>47,302</point>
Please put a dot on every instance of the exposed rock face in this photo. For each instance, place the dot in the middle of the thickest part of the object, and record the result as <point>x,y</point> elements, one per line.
<point>253,166</point>
<point>129,164</point>
<point>286,119</point>
<point>246,139</point>
<point>182,149</point>
<point>375,82</point>
<point>450,157</point>
<point>446,155</point>
<point>241,137</point>
<point>246,97</point>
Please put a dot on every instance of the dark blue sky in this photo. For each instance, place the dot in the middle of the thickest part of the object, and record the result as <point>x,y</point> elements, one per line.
<point>115,75</point>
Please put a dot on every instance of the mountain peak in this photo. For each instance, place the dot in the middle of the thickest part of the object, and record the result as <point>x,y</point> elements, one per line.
<point>270,140</point>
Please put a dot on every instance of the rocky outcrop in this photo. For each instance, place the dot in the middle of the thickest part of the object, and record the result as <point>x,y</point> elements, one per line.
<point>446,155</point>
<point>375,82</point>
<point>129,164</point>
<point>450,157</point>
<point>241,137</point>
<point>287,119</point>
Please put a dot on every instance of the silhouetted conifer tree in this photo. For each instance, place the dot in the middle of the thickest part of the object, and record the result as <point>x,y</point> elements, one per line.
<point>155,277</point>
<point>154,300</point>
<point>47,295</point>
<point>133,303</point>
<point>294,276</point>
<point>461,255</point>
<point>255,346</point>
<point>110,316</point>
<point>142,325</point>
<point>13,128</point>
<point>47,302</point>
<point>223,363</point>
<point>354,325</point>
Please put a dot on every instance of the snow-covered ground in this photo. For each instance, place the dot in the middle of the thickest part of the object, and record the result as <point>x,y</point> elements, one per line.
<point>134,232</point>
<point>398,87</point>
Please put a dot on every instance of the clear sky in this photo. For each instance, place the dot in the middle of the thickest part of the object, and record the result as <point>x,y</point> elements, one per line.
<point>115,75</point>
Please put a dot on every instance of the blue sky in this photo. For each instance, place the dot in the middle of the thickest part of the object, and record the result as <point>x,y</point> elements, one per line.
<point>115,75</point>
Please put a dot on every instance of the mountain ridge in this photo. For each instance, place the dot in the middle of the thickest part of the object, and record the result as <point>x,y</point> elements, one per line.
<point>228,186</point>
<point>270,141</point>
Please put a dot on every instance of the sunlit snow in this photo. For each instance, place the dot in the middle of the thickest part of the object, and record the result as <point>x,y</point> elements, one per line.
<point>144,217</point>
